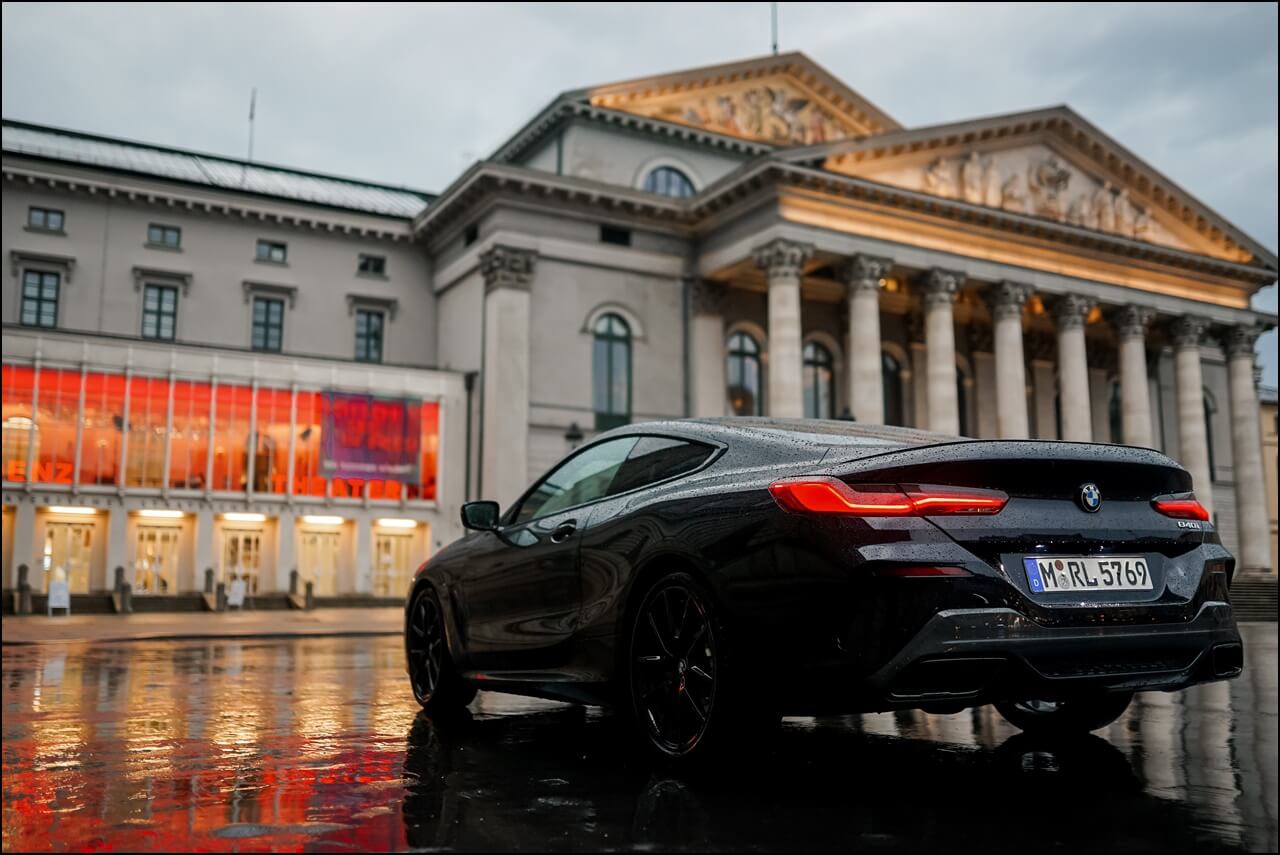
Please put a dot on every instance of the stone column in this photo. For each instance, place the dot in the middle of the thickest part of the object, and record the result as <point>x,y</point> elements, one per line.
<point>206,555</point>
<point>783,262</point>
<point>286,559</point>
<point>1194,445</point>
<point>1006,301</point>
<point>1073,368</point>
<point>1135,389</point>
<point>707,344</point>
<point>508,273</point>
<point>940,288</point>
<point>25,550</point>
<point>117,550</point>
<point>862,275</point>
<point>362,583</point>
<point>1246,451</point>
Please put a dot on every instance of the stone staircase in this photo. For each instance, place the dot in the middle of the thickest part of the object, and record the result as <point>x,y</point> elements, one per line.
<point>1253,597</point>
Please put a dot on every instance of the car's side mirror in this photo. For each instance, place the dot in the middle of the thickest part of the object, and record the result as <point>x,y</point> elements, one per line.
<point>480,516</point>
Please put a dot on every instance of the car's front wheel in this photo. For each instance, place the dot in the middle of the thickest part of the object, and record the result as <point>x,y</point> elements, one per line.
<point>436,683</point>
<point>1065,718</point>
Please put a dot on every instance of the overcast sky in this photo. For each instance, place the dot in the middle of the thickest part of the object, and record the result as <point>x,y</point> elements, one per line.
<point>411,94</point>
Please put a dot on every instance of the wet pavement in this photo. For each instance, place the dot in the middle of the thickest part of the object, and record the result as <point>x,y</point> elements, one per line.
<point>316,744</point>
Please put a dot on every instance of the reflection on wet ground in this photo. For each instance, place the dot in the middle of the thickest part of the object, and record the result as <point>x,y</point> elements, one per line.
<point>317,745</point>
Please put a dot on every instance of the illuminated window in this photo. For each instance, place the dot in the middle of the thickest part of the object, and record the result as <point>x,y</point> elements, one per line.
<point>40,298</point>
<point>307,480</point>
<point>103,428</point>
<point>819,382</point>
<point>891,383</point>
<point>271,458</point>
<point>426,488</point>
<point>148,419</point>
<point>668,181</point>
<point>611,372</point>
<point>16,389</point>
<point>159,312</point>
<point>57,406</point>
<point>744,375</point>
<point>231,438</point>
<point>189,441</point>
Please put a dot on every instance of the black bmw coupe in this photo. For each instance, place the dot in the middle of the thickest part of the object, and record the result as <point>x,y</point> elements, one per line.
<point>710,576</point>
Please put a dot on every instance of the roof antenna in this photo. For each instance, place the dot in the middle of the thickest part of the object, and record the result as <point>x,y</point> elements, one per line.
<point>775,28</point>
<point>253,101</point>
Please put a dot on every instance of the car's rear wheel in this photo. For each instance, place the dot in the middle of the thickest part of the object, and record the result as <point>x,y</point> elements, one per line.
<point>682,679</point>
<point>436,683</point>
<point>1065,718</point>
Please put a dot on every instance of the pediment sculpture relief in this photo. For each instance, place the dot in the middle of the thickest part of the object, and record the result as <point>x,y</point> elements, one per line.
<point>773,113</point>
<point>1047,192</point>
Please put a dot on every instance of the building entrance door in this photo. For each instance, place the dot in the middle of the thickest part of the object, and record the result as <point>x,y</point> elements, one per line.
<point>392,564</point>
<point>241,557</point>
<point>68,548</point>
<point>318,562</point>
<point>156,559</point>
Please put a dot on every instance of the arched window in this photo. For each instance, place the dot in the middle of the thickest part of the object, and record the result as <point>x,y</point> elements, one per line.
<point>1210,407</point>
<point>668,181</point>
<point>819,382</point>
<point>744,375</point>
<point>611,372</point>
<point>1115,413</point>
<point>891,382</point>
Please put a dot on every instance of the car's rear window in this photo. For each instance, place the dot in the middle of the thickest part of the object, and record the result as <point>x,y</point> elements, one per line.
<point>657,458</point>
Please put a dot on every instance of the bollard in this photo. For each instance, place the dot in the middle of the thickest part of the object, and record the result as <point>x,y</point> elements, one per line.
<point>126,598</point>
<point>208,580</point>
<point>293,581</point>
<point>311,597</point>
<point>222,596</point>
<point>24,591</point>
<point>119,578</point>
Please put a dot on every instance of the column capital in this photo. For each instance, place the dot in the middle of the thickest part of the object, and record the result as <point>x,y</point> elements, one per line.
<point>707,297</point>
<point>1240,340</point>
<point>1070,310</point>
<point>1007,298</point>
<point>940,286</point>
<point>864,272</point>
<point>781,257</point>
<point>507,267</point>
<point>1132,320</point>
<point>1188,331</point>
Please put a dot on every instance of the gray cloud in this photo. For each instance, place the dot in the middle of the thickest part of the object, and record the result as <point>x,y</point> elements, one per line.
<point>412,93</point>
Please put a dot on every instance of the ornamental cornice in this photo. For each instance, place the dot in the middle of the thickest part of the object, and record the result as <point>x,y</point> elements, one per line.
<point>507,267</point>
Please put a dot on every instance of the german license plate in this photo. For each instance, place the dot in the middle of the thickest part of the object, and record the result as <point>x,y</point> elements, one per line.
<point>1051,574</point>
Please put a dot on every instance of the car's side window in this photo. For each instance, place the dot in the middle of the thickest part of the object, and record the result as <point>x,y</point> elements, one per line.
<point>657,458</point>
<point>583,478</point>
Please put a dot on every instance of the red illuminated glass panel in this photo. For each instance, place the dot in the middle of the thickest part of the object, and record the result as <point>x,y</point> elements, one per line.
<point>426,489</point>
<point>231,438</point>
<point>307,480</point>
<point>103,428</point>
<point>271,455</point>
<point>16,385</point>
<point>57,406</point>
<point>189,439</point>
<point>148,423</point>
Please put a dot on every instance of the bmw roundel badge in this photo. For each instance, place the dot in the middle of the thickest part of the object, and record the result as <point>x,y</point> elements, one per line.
<point>1090,497</point>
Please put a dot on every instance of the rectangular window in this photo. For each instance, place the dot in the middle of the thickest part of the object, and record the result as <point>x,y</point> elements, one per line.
<point>307,480</point>
<point>268,324</point>
<point>375,264</point>
<point>425,490</point>
<point>231,438</point>
<point>46,219</point>
<point>615,235</point>
<point>103,428</point>
<point>40,298</point>
<point>57,407</point>
<point>16,386</point>
<point>271,454</point>
<point>167,236</point>
<point>159,312</point>
<point>148,419</point>
<point>274,252</point>
<point>369,335</point>
<point>189,441</point>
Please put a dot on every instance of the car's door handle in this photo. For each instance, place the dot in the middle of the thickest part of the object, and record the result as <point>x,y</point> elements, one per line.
<point>564,531</point>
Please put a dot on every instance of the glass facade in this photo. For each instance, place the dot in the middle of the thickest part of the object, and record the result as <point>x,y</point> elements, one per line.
<point>43,410</point>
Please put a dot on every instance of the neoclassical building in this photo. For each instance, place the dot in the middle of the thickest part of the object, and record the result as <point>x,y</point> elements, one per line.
<point>749,238</point>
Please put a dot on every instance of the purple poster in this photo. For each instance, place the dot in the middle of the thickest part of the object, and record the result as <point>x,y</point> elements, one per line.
<point>370,438</point>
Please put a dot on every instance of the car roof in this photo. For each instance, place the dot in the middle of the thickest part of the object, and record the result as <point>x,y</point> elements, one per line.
<point>817,433</point>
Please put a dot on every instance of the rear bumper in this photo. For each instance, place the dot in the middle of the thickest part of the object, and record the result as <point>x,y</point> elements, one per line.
<point>973,656</point>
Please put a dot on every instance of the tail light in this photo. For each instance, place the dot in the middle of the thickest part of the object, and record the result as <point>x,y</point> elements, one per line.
<point>1181,508</point>
<point>912,571</point>
<point>826,495</point>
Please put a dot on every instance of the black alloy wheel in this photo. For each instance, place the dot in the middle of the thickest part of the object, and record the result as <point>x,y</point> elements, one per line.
<point>436,685</point>
<point>674,667</point>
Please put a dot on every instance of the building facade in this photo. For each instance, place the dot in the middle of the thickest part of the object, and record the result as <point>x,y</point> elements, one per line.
<point>752,238</point>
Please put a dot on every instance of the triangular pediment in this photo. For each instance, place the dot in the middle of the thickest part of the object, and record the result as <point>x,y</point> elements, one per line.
<point>786,100</point>
<point>1050,164</point>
